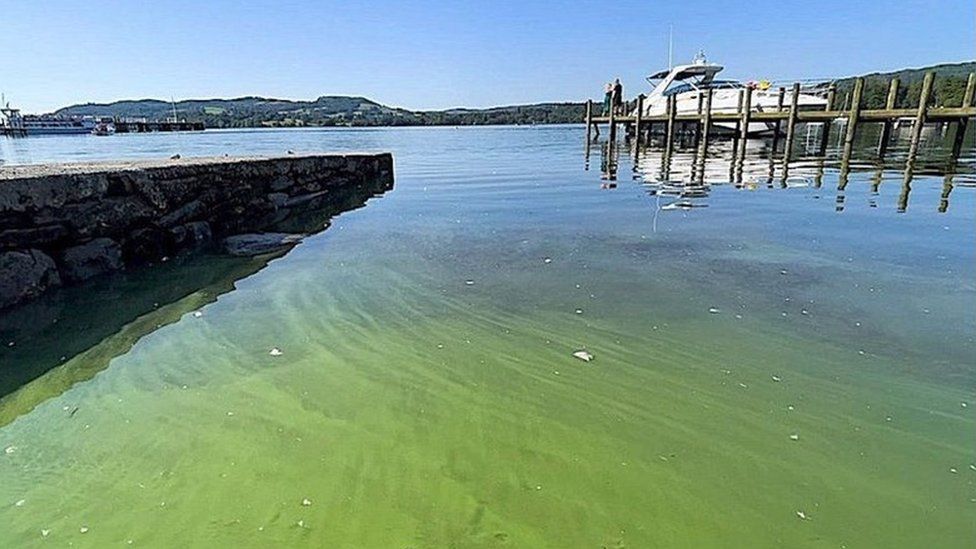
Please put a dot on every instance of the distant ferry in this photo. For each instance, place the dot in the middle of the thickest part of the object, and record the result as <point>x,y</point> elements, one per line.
<point>12,122</point>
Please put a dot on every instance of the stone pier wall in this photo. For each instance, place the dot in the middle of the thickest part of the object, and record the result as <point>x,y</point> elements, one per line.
<point>62,224</point>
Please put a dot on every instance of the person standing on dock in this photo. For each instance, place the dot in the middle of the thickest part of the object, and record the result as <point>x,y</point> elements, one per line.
<point>607,99</point>
<point>618,95</point>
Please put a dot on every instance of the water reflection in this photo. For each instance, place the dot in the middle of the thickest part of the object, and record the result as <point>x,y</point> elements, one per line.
<point>816,162</point>
<point>71,334</point>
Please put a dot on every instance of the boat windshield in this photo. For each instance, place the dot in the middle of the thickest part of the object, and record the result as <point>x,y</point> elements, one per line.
<point>714,84</point>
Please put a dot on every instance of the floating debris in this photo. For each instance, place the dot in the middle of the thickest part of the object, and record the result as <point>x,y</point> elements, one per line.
<point>45,532</point>
<point>197,314</point>
<point>789,407</point>
<point>306,502</point>
<point>547,260</point>
<point>469,282</point>
<point>777,378</point>
<point>794,436</point>
<point>713,310</point>
<point>583,355</point>
<point>963,404</point>
<point>579,311</point>
<point>9,450</point>
<point>953,470</point>
<point>802,515</point>
<point>20,503</point>
<point>275,352</point>
<point>301,524</point>
<point>83,529</point>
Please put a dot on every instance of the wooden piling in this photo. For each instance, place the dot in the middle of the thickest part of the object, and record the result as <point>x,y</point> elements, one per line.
<point>638,119</point>
<point>779,108</point>
<point>923,103</point>
<point>744,126</point>
<point>733,165</point>
<point>967,101</point>
<point>589,120</point>
<point>706,125</point>
<point>825,135</point>
<point>701,102</point>
<point>612,133</point>
<point>886,125</point>
<point>791,128</point>
<point>852,119</point>
<point>669,131</point>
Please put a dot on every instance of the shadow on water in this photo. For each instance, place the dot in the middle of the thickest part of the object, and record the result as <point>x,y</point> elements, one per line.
<point>70,335</point>
<point>682,174</point>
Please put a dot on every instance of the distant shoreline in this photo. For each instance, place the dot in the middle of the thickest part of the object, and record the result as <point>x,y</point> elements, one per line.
<point>357,111</point>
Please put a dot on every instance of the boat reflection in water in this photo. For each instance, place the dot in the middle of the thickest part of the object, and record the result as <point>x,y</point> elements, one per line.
<point>686,176</point>
<point>70,335</point>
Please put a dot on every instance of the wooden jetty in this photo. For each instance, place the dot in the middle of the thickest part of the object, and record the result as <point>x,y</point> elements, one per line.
<point>703,121</point>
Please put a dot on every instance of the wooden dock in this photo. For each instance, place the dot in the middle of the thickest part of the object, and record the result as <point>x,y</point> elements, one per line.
<point>639,126</point>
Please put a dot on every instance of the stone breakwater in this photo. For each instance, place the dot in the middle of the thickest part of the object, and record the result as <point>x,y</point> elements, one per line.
<point>62,224</point>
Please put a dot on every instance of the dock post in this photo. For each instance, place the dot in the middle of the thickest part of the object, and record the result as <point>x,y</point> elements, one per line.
<point>886,125</point>
<point>967,101</point>
<point>589,120</point>
<point>638,119</point>
<point>923,103</point>
<point>613,122</point>
<point>744,133</point>
<point>735,133</point>
<point>706,127</point>
<point>852,118</point>
<point>825,136</point>
<point>669,131</point>
<point>779,124</point>
<point>790,129</point>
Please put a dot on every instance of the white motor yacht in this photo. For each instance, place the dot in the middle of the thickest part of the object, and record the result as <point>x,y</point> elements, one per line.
<point>690,82</point>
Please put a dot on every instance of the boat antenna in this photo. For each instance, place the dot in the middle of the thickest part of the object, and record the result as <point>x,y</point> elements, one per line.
<point>670,46</point>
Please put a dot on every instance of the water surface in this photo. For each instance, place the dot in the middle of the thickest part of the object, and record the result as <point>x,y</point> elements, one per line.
<point>783,350</point>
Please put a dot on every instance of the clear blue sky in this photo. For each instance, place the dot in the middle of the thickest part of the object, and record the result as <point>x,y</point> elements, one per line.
<point>439,54</point>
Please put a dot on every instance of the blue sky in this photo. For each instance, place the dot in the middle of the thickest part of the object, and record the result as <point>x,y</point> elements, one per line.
<point>426,55</point>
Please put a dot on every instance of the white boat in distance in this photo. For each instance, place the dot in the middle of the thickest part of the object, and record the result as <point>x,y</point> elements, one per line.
<point>690,82</point>
<point>12,122</point>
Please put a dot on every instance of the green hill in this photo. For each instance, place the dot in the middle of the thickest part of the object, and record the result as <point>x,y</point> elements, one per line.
<point>948,89</point>
<point>324,111</point>
<point>950,84</point>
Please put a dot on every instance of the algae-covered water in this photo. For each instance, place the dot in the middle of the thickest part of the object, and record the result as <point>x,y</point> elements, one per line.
<point>782,366</point>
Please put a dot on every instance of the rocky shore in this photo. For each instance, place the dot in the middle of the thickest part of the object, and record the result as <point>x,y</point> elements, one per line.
<point>66,223</point>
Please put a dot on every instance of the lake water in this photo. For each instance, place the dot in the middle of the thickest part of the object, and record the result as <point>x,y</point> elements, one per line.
<point>785,364</point>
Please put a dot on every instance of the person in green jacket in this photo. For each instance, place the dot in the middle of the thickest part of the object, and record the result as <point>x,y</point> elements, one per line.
<point>607,98</point>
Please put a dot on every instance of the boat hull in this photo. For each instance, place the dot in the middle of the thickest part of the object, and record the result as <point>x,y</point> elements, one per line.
<point>726,101</point>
